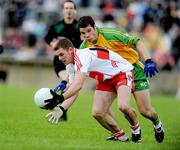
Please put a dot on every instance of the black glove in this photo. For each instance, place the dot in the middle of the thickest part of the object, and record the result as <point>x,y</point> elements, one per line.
<point>51,103</point>
<point>150,68</point>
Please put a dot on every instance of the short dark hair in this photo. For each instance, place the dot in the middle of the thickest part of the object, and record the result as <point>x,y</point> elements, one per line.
<point>63,42</point>
<point>70,1</point>
<point>86,21</point>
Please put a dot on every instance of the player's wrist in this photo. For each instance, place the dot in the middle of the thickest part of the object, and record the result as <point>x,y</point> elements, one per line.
<point>64,81</point>
<point>62,109</point>
<point>60,98</point>
<point>149,60</point>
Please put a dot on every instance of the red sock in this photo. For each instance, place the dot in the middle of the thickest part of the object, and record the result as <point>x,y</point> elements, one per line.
<point>118,133</point>
<point>135,129</point>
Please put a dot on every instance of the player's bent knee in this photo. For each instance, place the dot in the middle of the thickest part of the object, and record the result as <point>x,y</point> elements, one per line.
<point>124,107</point>
<point>97,115</point>
<point>144,113</point>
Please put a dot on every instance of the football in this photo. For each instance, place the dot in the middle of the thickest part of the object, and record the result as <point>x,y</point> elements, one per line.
<point>41,95</point>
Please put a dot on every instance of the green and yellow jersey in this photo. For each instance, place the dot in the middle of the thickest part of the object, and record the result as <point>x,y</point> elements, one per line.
<point>123,44</point>
<point>117,41</point>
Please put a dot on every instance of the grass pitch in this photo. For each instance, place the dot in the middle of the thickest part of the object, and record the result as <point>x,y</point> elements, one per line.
<point>24,127</point>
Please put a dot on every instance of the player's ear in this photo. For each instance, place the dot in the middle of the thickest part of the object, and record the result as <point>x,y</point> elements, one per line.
<point>94,27</point>
<point>71,49</point>
<point>75,12</point>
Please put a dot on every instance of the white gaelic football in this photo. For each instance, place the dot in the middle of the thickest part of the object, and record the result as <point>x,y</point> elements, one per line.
<point>41,95</point>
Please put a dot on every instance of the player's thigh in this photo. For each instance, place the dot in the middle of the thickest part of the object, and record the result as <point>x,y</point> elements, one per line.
<point>142,93</point>
<point>111,113</point>
<point>124,95</point>
<point>102,101</point>
<point>143,99</point>
<point>140,80</point>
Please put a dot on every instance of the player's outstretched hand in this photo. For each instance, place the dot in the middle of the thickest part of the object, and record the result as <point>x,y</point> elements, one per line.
<point>150,68</point>
<point>51,103</point>
<point>61,86</point>
<point>55,114</point>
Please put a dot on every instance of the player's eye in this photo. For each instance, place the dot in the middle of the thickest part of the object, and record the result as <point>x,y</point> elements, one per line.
<point>82,32</point>
<point>89,30</point>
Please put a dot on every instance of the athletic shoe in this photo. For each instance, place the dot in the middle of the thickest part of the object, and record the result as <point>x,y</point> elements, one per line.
<point>122,138</point>
<point>159,134</point>
<point>136,137</point>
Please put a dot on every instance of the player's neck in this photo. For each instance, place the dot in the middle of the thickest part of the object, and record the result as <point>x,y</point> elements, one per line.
<point>68,20</point>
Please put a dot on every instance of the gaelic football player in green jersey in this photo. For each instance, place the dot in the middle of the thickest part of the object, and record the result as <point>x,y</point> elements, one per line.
<point>129,47</point>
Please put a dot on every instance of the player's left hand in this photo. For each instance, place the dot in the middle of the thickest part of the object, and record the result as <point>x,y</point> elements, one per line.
<point>51,103</point>
<point>61,86</point>
<point>55,114</point>
<point>150,68</point>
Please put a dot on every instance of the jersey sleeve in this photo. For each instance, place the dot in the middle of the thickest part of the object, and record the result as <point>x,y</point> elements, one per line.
<point>127,39</point>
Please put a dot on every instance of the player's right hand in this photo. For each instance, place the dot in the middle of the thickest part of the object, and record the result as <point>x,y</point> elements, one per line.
<point>51,103</point>
<point>55,115</point>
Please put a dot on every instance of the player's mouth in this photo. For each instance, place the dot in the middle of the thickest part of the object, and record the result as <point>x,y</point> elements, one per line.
<point>88,39</point>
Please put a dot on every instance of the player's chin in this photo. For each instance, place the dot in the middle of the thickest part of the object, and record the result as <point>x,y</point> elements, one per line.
<point>89,40</point>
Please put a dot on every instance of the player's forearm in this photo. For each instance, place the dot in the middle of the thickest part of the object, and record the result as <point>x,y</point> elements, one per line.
<point>143,50</point>
<point>73,89</point>
<point>76,86</point>
<point>68,103</point>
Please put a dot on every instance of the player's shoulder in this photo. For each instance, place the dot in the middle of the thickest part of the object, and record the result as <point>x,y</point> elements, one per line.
<point>112,33</point>
<point>57,23</point>
<point>82,50</point>
<point>108,32</point>
<point>70,67</point>
<point>59,26</point>
<point>75,22</point>
<point>107,29</point>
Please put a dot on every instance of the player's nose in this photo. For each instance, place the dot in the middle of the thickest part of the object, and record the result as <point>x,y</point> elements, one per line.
<point>86,36</point>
